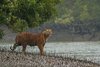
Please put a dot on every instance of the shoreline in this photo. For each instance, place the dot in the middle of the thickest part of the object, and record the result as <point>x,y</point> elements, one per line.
<point>12,59</point>
<point>49,41</point>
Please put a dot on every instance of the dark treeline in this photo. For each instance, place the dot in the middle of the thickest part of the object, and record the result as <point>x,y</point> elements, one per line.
<point>81,16</point>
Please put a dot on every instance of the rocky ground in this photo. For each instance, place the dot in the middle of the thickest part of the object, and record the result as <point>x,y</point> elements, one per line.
<point>16,59</point>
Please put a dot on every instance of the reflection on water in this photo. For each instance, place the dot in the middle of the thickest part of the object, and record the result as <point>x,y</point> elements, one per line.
<point>80,50</point>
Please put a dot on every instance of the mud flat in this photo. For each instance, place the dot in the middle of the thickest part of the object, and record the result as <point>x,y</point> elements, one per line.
<point>17,59</point>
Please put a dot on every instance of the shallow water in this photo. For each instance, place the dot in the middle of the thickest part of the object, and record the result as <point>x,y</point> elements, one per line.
<point>79,50</point>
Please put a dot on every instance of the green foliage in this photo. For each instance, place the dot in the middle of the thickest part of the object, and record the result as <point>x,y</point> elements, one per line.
<point>66,18</point>
<point>33,12</point>
<point>1,34</point>
<point>80,10</point>
<point>2,18</point>
<point>20,25</point>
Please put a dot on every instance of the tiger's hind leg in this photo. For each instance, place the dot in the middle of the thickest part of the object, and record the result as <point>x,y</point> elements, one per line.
<point>14,47</point>
<point>24,48</point>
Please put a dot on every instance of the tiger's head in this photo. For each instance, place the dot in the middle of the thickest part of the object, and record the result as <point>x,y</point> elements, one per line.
<point>47,32</point>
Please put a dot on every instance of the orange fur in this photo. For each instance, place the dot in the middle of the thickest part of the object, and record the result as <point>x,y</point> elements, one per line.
<point>26,38</point>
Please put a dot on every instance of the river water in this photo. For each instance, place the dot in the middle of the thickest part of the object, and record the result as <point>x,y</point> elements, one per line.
<point>79,50</point>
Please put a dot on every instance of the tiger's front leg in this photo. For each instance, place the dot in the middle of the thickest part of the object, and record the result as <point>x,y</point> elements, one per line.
<point>41,48</point>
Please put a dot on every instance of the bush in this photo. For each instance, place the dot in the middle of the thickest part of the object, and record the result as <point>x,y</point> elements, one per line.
<point>20,25</point>
<point>1,34</point>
